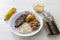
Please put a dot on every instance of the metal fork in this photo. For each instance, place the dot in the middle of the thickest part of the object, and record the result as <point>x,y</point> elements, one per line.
<point>54,26</point>
<point>48,24</point>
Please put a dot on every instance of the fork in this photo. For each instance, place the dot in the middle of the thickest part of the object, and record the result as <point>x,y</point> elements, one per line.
<point>54,26</point>
<point>48,24</point>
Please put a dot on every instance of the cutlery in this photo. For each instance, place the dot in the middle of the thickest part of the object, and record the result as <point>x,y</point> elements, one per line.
<point>54,26</point>
<point>48,25</point>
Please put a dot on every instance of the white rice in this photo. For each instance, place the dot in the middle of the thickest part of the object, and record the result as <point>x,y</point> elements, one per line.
<point>24,28</point>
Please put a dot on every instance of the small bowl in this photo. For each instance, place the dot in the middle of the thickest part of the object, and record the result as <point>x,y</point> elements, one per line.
<point>12,24</point>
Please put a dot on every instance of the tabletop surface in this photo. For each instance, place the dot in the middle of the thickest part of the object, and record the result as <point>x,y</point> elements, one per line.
<point>53,6</point>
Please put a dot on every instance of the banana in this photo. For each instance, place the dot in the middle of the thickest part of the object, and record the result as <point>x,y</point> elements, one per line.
<point>30,17</point>
<point>9,13</point>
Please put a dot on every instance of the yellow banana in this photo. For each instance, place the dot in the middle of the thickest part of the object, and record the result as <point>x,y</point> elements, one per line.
<point>30,17</point>
<point>9,13</point>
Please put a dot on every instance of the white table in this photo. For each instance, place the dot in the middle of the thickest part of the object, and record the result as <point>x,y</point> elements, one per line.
<point>52,6</point>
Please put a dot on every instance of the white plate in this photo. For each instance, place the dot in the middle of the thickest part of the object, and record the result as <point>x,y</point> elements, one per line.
<point>12,23</point>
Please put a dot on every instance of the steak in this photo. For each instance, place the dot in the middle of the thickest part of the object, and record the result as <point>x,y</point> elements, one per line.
<point>20,20</point>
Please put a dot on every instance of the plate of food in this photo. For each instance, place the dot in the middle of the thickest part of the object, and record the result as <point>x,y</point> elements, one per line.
<point>26,23</point>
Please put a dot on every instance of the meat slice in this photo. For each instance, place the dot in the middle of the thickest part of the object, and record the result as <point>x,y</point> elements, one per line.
<point>20,20</point>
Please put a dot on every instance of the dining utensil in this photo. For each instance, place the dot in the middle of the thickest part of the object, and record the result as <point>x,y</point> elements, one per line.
<point>53,23</point>
<point>48,25</point>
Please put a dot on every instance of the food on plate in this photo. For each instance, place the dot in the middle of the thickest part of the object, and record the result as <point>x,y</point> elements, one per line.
<point>20,20</point>
<point>9,13</point>
<point>26,23</point>
<point>24,28</point>
<point>30,17</point>
<point>38,7</point>
<point>34,24</point>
